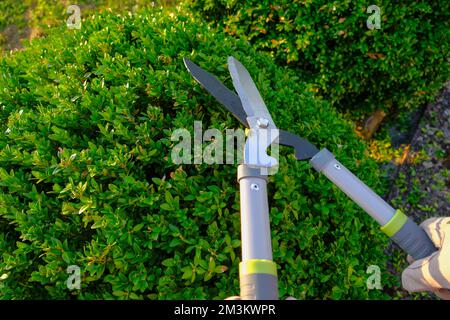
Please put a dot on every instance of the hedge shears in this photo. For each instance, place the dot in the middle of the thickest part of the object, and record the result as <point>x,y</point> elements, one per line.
<point>257,270</point>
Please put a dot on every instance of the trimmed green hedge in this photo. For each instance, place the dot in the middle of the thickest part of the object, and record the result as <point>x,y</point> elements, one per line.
<point>85,179</point>
<point>39,15</point>
<point>400,65</point>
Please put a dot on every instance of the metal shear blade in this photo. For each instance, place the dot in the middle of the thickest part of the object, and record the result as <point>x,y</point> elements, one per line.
<point>248,106</point>
<point>217,89</point>
<point>252,102</point>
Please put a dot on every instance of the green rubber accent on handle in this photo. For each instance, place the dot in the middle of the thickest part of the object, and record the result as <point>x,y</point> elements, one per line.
<point>257,266</point>
<point>395,224</point>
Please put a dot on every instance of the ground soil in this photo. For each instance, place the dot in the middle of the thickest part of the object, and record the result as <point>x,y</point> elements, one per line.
<point>427,181</point>
<point>422,188</point>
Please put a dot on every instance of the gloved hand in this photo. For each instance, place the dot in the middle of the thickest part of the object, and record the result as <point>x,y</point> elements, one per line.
<point>433,272</point>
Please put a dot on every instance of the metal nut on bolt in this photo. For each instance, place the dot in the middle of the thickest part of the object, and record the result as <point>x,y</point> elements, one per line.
<point>254,186</point>
<point>262,122</point>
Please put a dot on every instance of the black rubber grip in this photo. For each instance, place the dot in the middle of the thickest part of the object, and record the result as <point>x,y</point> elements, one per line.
<point>414,240</point>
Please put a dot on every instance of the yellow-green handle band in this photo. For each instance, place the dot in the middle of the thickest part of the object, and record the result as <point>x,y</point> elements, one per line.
<point>257,266</point>
<point>395,224</point>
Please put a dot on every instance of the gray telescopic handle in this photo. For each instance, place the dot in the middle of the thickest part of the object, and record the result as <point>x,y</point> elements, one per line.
<point>402,230</point>
<point>257,271</point>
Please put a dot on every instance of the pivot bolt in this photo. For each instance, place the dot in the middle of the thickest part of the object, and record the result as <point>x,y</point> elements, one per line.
<point>254,186</point>
<point>262,122</point>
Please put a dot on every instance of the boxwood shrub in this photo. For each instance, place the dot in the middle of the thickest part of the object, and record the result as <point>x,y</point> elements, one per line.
<point>398,66</point>
<point>86,179</point>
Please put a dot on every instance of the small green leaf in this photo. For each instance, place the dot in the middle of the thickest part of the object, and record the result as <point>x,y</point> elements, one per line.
<point>138,227</point>
<point>168,262</point>
<point>208,276</point>
<point>167,207</point>
<point>187,273</point>
<point>220,269</point>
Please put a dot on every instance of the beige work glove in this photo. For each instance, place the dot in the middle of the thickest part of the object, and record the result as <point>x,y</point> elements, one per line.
<point>433,272</point>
